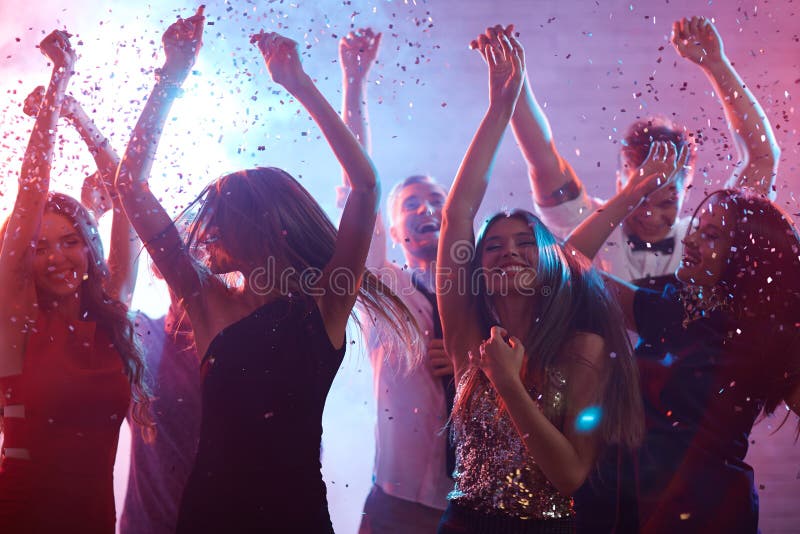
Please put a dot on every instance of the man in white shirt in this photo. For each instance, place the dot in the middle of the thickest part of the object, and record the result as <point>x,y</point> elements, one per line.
<point>647,246</point>
<point>412,470</point>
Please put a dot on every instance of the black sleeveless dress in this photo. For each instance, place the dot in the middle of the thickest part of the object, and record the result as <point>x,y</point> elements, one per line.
<point>258,460</point>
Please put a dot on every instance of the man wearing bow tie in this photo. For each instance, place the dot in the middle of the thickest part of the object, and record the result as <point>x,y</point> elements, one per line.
<point>646,249</point>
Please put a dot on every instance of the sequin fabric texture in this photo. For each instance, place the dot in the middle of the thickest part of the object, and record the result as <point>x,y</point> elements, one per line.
<point>494,472</point>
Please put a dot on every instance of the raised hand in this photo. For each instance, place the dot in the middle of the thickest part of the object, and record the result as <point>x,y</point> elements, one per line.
<point>506,60</point>
<point>33,104</point>
<point>357,52</point>
<point>697,40</point>
<point>479,43</point>
<point>500,360</point>
<point>182,42</point>
<point>57,48</point>
<point>282,58</point>
<point>661,167</point>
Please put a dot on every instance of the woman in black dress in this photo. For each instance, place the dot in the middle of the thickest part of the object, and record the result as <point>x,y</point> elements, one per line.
<point>271,345</point>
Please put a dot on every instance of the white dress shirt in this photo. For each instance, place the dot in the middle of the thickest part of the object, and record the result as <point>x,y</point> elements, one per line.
<point>616,255</point>
<point>409,436</point>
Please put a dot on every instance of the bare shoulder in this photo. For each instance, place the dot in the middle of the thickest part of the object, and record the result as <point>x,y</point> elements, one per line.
<point>586,349</point>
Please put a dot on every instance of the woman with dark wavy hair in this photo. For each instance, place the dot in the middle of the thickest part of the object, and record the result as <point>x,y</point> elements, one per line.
<point>543,365</point>
<point>68,362</point>
<point>715,352</point>
<point>272,332</point>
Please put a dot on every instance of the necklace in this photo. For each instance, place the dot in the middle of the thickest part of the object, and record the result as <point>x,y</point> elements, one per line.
<point>698,303</point>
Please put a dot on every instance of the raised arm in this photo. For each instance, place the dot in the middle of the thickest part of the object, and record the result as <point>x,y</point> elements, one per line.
<point>17,293</point>
<point>697,40</point>
<point>95,194</point>
<point>553,180</point>
<point>342,276</point>
<point>506,62</point>
<point>182,42</point>
<point>658,170</point>
<point>357,53</point>
<point>98,193</point>
<point>662,165</point>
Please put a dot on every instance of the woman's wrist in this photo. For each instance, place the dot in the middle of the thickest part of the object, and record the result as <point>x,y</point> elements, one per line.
<point>629,198</point>
<point>715,64</point>
<point>303,86</point>
<point>170,76</point>
<point>500,110</point>
<point>168,85</point>
<point>355,80</point>
<point>63,73</point>
<point>505,384</point>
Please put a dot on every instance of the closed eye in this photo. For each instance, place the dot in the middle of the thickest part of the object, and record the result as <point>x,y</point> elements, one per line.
<point>437,201</point>
<point>411,205</point>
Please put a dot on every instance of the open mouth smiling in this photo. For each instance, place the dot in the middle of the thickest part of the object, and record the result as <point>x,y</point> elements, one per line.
<point>428,228</point>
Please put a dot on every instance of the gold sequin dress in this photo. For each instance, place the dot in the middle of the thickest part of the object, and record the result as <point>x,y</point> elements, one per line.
<point>494,472</point>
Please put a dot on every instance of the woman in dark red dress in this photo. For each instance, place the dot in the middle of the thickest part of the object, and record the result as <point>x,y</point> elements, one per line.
<point>68,363</point>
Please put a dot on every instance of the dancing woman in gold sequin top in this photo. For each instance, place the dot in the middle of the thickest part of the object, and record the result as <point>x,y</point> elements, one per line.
<point>544,369</point>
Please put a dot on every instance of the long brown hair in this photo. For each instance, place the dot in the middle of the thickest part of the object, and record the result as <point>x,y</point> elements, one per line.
<point>762,277</point>
<point>96,304</point>
<point>264,215</point>
<point>569,293</point>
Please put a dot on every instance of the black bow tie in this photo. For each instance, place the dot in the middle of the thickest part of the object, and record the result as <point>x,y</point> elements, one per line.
<point>666,245</point>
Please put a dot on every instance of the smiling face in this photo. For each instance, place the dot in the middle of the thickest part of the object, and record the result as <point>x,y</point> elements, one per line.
<point>216,256</point>
<point>707,246</point>
<point>509,256</point>
<point>653,219</point>
<point>213,226</point>
<point>417,219</point>
<point>61,259</point>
